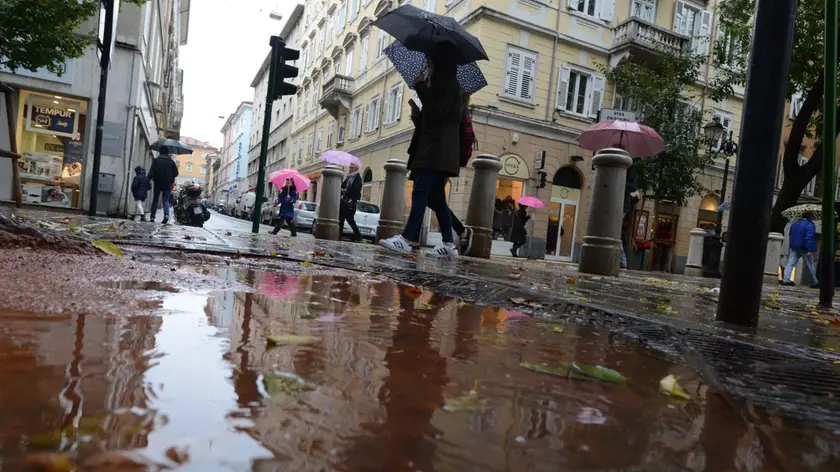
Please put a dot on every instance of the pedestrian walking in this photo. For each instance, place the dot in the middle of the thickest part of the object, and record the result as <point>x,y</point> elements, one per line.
<point>518,234</point>
<point>497,218</point>
<point>286,201</point>
<point>140,190</point>
<point>803,244</point>
<point>434,150</point>
<point>351,193</point>
<point>162,173</point>
<point>631,184</point>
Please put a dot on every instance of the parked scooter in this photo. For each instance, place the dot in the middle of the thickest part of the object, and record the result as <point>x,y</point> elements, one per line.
<point>190,210</point>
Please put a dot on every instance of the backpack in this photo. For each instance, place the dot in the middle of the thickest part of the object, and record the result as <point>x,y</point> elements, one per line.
<point>468,142</point>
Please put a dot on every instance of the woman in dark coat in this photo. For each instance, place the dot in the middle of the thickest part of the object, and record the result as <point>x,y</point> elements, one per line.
<point>434,151</point>
<point>286,201</point>
<point>351,193</point>
<point>518,234</point>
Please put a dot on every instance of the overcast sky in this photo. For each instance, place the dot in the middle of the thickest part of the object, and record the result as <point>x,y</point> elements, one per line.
<point>228,40</point>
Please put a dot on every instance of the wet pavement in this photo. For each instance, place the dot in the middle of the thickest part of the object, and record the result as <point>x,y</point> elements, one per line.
<point>369,374</point>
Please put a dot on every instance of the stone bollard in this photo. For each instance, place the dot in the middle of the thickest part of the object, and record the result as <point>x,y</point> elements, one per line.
<point>601,250</point>
<point>326,227</point>
<point>393,200</point>
<point>771,258</point>
<point>694,262</point>
<point>480,209</point>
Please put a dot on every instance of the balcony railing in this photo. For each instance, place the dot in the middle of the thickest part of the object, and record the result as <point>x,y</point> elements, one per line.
<point>337,94</point>
<point>338,84</point>
<point>640,32</point>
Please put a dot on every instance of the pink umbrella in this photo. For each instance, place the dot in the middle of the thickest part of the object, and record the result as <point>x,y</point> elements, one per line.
<point>280,177</point>
<point>532,202</point>
<point>638,140</point>
<point>340,158</point>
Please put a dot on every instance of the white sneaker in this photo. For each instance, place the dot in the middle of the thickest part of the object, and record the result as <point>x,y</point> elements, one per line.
<point>442,251</point>
<point>396,243</point>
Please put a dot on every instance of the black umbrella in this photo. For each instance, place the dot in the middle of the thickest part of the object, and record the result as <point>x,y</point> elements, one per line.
<point>170,146</point>
<point>422,31</point>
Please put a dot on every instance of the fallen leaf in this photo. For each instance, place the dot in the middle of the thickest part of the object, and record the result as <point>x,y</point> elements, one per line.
<point>582,299</point>
<point>468,402</point>
<point>178,456</point>
<point>47,225</point>
<point>515,276</point>
<point>291,340</point>
<point>425,307</point>
<point>305,264</point>
<point>238,255</point>
<point>308,316</point>
<point>644,299</point>
<point>410,257</point>
<point>319,253</point>
<point>52,461</point>
<point>413,292</point>
<point>669,386</point>
<point>284,387</point>
<point>559,371</point>
<point>571,280</point>
<point>557,329</point>
<point>108,247</point>
<point>227,233</point>
<point>600,373</point>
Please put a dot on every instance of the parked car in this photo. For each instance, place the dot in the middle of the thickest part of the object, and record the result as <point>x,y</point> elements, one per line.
<point>305,215</point>
<point>269,211</point>
<point>367,219</point>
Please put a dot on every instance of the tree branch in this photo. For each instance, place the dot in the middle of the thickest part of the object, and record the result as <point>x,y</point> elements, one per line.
<point>790,161</point>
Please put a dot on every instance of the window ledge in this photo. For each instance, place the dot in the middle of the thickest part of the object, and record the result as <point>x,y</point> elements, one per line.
<point>373,131</point>
<point>391,125</point>
<point>574,116</point>
<point>592,20</point>
<point>517,101</point>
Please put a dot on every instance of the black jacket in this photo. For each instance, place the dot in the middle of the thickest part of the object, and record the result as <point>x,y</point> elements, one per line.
<point>631,184</point>
<point>519,234</point>
<point>140,184</point>
<point>437,142</point>
<point>163,171</point>
<point>353,190</point>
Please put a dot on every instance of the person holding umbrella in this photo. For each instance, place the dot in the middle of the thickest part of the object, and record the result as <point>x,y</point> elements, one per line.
<point>519,235</point>
<point>351,193</point>
<point>436,149</point>
<point>286,201</point>
<point>162,173</point>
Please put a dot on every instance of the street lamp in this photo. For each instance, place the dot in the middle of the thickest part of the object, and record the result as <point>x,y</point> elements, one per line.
<point>713,245</point>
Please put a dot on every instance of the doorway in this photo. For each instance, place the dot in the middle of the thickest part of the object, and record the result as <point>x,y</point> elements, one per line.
<point>563,214</point>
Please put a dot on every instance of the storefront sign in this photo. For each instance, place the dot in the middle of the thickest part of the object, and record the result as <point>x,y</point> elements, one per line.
<point>514,166</point>
<point>56,117</point>
<point>616,115</point>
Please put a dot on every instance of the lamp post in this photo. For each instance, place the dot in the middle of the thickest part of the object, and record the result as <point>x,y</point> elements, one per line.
<point>713,245</point>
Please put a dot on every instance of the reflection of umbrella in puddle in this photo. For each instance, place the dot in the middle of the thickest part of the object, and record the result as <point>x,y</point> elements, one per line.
<point>279,287</point>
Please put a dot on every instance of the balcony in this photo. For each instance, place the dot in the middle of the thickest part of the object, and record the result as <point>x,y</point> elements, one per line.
<point>638,38</point>
<point>337,95</point>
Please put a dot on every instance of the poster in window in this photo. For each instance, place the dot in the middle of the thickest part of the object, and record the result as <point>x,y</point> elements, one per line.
<point>58,117</point>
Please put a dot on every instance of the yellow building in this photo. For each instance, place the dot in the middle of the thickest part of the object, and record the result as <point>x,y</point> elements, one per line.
<point>193,167</point>
<point>545,87</point>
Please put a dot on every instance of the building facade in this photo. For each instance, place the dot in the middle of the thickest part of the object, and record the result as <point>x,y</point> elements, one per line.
<point>193,167</point>
<point>144,103</point>
<point>233,180</point>
<point>281,125</point>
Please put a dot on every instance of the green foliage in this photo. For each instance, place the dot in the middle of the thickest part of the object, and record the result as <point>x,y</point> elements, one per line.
<point>663,89</point>
<point>38,34</point>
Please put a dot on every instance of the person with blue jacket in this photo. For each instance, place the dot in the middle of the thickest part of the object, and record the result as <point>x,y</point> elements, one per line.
<point>286,201</point>
<point>140,190</point>
<point>803,243</point>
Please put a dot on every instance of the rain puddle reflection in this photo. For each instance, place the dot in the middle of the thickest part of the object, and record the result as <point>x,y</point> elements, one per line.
<point>330,373</point>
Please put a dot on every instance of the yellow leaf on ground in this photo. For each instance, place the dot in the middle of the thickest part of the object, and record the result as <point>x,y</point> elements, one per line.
<point>292,340</point>
<point>669,386</point>
<point>273,253</point>
<point>557,329</point>
<point>108,247</point>
<point>515,276</point>
<point>306,264</point>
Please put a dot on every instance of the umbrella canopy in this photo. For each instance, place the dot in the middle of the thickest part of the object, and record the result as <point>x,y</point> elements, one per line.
<point>638,140</point>
<point>795,212</point>
<point>422,31</point>
<point>532,202</point>
<point>280,177</point>
<point>411,64</point>
<point>340,158</point>
<point>170,146</point>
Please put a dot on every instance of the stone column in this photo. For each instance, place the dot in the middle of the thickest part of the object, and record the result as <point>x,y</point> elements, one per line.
<point>694,262</point>
<point>326,227</point>
<point>482,199</point>
<point>393,200</point>
<point>771,258</point>
<point>601,250</point>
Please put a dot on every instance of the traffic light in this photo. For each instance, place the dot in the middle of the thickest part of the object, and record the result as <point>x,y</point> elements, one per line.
<point>541,176</point>
<point>282,71</point>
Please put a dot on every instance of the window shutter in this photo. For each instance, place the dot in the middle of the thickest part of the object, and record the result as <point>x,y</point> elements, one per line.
<point>513,71</point>
<point>607,9</point>
<point>388,112</point>
<point>704,32</point>
<point>562,87</point>
<point>352,126</point>
<point>597,95</point>
<point>398,103</point>
<point>679,18</point>
<point>529,72</point>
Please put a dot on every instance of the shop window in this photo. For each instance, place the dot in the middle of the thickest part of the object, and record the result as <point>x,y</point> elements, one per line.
<point>707,214</point>
<point>367,179</point>
<point>50,130</point>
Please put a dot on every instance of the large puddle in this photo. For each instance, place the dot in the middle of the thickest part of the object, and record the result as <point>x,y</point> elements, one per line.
<point>357,379</point>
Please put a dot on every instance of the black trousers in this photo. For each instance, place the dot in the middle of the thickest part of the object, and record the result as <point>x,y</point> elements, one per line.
<point>347,212</point>
<point>290,220</point>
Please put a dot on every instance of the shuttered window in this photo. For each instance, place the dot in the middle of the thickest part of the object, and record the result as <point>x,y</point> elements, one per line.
<point>520,75</point>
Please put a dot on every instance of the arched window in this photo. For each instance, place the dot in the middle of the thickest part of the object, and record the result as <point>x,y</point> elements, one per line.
<point>367,178</point>
<point>707,214</point>
<point>567,177</point>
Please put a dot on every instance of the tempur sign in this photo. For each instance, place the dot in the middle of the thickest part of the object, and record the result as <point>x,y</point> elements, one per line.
<point>59,120</point>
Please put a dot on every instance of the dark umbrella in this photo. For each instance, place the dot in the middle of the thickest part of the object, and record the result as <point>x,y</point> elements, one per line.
<point>422,31</point>
<point>170,146</point>
<point>410,64</point>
